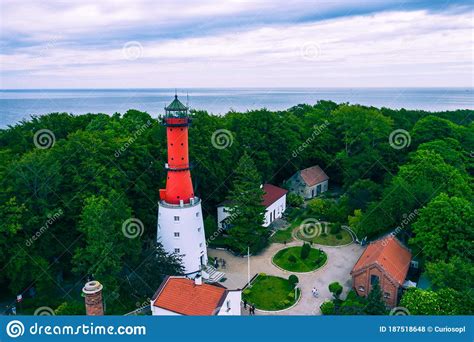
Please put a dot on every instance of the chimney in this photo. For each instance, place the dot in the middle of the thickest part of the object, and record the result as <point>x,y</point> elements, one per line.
<point>93,298</point>
<point>198,280</point>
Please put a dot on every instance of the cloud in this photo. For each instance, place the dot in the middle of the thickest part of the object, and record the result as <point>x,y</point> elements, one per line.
<point>388,48</point>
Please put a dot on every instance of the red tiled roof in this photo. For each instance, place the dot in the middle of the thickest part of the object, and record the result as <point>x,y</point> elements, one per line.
<point>183,296</point>
<point>389,254</point>
<point>313,175</point>
<point>272,194</point>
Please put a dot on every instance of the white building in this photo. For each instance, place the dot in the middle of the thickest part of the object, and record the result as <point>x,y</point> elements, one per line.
<point>309,182</point>
<point>181,231</point>
<point>274,201</point>
<point>182,296</point>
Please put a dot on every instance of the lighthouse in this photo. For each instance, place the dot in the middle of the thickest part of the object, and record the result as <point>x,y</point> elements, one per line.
<point>180,224</point>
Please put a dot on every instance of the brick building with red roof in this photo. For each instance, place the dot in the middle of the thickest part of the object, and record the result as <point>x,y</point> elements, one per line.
<point>385,261</point>
<point>179,295</point>
<point>309,182</point>
<point>274,201</point>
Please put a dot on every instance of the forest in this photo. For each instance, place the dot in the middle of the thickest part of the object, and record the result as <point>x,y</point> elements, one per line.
<point>63,207</point>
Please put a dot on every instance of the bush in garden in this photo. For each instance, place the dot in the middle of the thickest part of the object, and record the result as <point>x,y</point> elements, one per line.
<point>335,228</point>
<point>305,250</point>
<point>292,259</point>
<point>336,289</point>
<point>293,280</point>
<point>327,308</point>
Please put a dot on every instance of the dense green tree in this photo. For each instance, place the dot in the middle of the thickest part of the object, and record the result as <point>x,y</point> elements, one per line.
<point>457,273</point>
<point>246,212</point>
<point>444,302</point>
<point>109,237</point>
<point>432,127</point>
<point>375,302</point>
<point>445,228</point>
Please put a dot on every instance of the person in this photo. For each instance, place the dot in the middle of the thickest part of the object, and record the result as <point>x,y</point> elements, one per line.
<point>223,263</point>
<point>252,310</point>
<point>216,263</point>
<point>245,304</point>
<point>315,292</point>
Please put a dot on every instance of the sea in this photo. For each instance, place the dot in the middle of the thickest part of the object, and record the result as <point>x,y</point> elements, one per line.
<point>17,105</point>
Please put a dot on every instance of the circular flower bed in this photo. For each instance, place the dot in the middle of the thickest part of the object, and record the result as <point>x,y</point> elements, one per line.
<point>327,234</point>
<point>300,258</point>
<point>271,293</point>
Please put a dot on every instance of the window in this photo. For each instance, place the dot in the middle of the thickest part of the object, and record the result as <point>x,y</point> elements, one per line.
<point>176,234</point>
<point>374,279</point>
<point>386,295</point>
<point>199,229</point>
<point>361,289</point>
<point>176,218</point>
<point>197,214</point>
<point>228,305</point>
<point>200,245</point>
<point>176,250</point>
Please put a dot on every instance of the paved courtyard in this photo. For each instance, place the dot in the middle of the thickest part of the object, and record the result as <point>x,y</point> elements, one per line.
<point>338,267</point>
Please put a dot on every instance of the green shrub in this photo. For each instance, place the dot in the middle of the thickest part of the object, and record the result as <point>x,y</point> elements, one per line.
<point>336,289</point>
<point>293,280</point>
<point>327,308</point>
<point>286,303</point>
<point>291,296</point>
<point>292,259</point>
<point>246,292</point>
<point>324,234</point>
<point>305,250</point>
<point>335,228</point>
<point>339,236</point>
<point>294,200</point>
<point>70,308</point>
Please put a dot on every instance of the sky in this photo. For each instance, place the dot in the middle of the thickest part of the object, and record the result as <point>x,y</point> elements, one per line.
<point>221,43</point>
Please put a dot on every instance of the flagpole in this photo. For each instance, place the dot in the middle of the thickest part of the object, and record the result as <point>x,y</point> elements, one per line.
<point>248,265</point>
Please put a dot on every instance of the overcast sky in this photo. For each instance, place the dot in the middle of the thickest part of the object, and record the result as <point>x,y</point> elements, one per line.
<point>166,43</point>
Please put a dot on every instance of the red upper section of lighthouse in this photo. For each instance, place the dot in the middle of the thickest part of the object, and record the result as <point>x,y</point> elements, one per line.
<point>179,186</point>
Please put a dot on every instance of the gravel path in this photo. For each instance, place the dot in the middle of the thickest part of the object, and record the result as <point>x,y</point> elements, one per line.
<point>338,267</point>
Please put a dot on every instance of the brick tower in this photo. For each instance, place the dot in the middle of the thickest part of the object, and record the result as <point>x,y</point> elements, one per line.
<point>93,298</point>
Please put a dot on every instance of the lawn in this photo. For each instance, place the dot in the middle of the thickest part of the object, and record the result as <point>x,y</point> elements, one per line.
<point>270,293</point>
<point>290,259</point>
<point>329,239</point>
<point>285,235</point>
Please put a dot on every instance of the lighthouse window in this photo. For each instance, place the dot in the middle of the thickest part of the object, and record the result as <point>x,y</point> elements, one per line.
<point>176,234</point>
<point>176,218</point>
<point>176,250</point>
<point>199,229</point>
<point>200,245</point>
<point>197,214</point>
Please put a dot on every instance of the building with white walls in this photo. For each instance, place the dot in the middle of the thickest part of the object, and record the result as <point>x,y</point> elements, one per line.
<point>274,201</point>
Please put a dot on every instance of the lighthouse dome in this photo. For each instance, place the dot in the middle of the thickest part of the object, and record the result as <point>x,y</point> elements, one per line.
<point>176,106</point>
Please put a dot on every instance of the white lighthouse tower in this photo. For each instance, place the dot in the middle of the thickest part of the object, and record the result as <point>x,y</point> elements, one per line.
<point>180,222</point>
